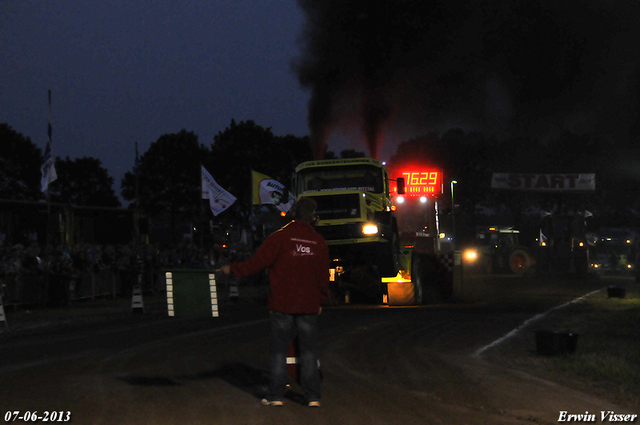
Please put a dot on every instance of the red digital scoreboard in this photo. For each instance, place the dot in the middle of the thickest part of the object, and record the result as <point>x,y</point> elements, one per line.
<point>419,182</point>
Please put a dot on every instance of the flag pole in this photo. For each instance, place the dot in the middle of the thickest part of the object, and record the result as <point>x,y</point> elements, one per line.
<point>137,175</point>
<point>136,214</point>
<point>48,152</point>
<point>201,210</point>
<point>49,131</point>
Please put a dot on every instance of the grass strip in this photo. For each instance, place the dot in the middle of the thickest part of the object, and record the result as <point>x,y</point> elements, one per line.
<point>607,358</point>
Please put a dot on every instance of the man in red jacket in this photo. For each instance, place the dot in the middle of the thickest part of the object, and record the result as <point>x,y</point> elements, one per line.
<point>298,261</point>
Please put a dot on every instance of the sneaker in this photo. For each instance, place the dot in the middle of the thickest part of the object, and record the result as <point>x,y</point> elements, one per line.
<point>314,404</point>
<point>266,402</point>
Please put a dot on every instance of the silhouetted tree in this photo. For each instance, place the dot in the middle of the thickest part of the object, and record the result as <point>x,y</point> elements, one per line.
<point>84,182</point>
<point>246,146</point>
<point>20,162</point>
<point>424,150</point>
<point>617,178</point>
<point>169,178</point>
<point>468,160</point>
<point>352,153</point>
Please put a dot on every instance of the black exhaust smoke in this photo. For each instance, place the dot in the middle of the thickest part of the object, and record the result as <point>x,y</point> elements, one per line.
<point>372,64</point>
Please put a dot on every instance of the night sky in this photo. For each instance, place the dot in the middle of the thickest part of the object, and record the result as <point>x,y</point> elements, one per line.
<point>131,71</point>
<point>375,73</point>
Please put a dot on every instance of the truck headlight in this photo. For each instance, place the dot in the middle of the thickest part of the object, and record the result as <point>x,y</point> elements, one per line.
<point>470,255</point>
<point>370,229</point>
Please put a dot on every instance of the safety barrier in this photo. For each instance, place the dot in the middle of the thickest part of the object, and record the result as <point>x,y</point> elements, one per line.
<point>41,288</point>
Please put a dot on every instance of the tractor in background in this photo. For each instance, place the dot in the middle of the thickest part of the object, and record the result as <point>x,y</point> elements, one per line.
<point>498,250</point>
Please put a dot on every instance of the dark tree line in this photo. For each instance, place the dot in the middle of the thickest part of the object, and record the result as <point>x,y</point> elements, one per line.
<point>168,174</point>
<point>20,162</point>
<point>82,181</point>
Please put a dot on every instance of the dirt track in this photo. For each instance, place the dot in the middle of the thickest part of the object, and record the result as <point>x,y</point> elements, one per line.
<point>381,366</point>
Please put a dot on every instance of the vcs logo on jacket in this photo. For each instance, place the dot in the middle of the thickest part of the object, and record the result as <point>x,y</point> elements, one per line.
<point>303,247</point>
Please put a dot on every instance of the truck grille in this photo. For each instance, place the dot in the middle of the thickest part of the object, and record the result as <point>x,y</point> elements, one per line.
<point>344,231</point>
<point>335,207</point>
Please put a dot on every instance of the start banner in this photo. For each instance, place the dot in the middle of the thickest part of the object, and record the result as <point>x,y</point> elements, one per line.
<point>544,182</point>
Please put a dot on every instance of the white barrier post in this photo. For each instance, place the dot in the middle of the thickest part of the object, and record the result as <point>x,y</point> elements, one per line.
<point>214,295</point>
<point>234,294</point>
<point>137,305</point>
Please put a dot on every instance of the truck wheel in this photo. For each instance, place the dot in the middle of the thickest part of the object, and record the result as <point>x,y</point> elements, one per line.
<point>416,277</point>
<point>395,251</point>
<point>364,284</point>
<point>519,261</point>
<point>429,279</point>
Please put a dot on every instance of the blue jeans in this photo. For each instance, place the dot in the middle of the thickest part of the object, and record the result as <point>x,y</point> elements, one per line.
<point>284,328</point>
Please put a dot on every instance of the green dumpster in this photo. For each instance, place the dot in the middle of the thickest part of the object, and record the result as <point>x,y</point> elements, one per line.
<point>191,293</point>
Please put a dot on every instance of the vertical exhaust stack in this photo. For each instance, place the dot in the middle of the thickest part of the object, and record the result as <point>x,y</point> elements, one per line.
<point>376,112</point>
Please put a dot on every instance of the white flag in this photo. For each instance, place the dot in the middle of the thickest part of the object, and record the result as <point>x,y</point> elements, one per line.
<point>48,169</point>
<point>219,199</point>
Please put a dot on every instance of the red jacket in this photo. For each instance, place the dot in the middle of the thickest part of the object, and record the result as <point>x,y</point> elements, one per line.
<point>298,261</point>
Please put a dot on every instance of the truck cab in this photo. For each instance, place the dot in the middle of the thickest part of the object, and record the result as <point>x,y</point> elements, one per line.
<point>355,218</point>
